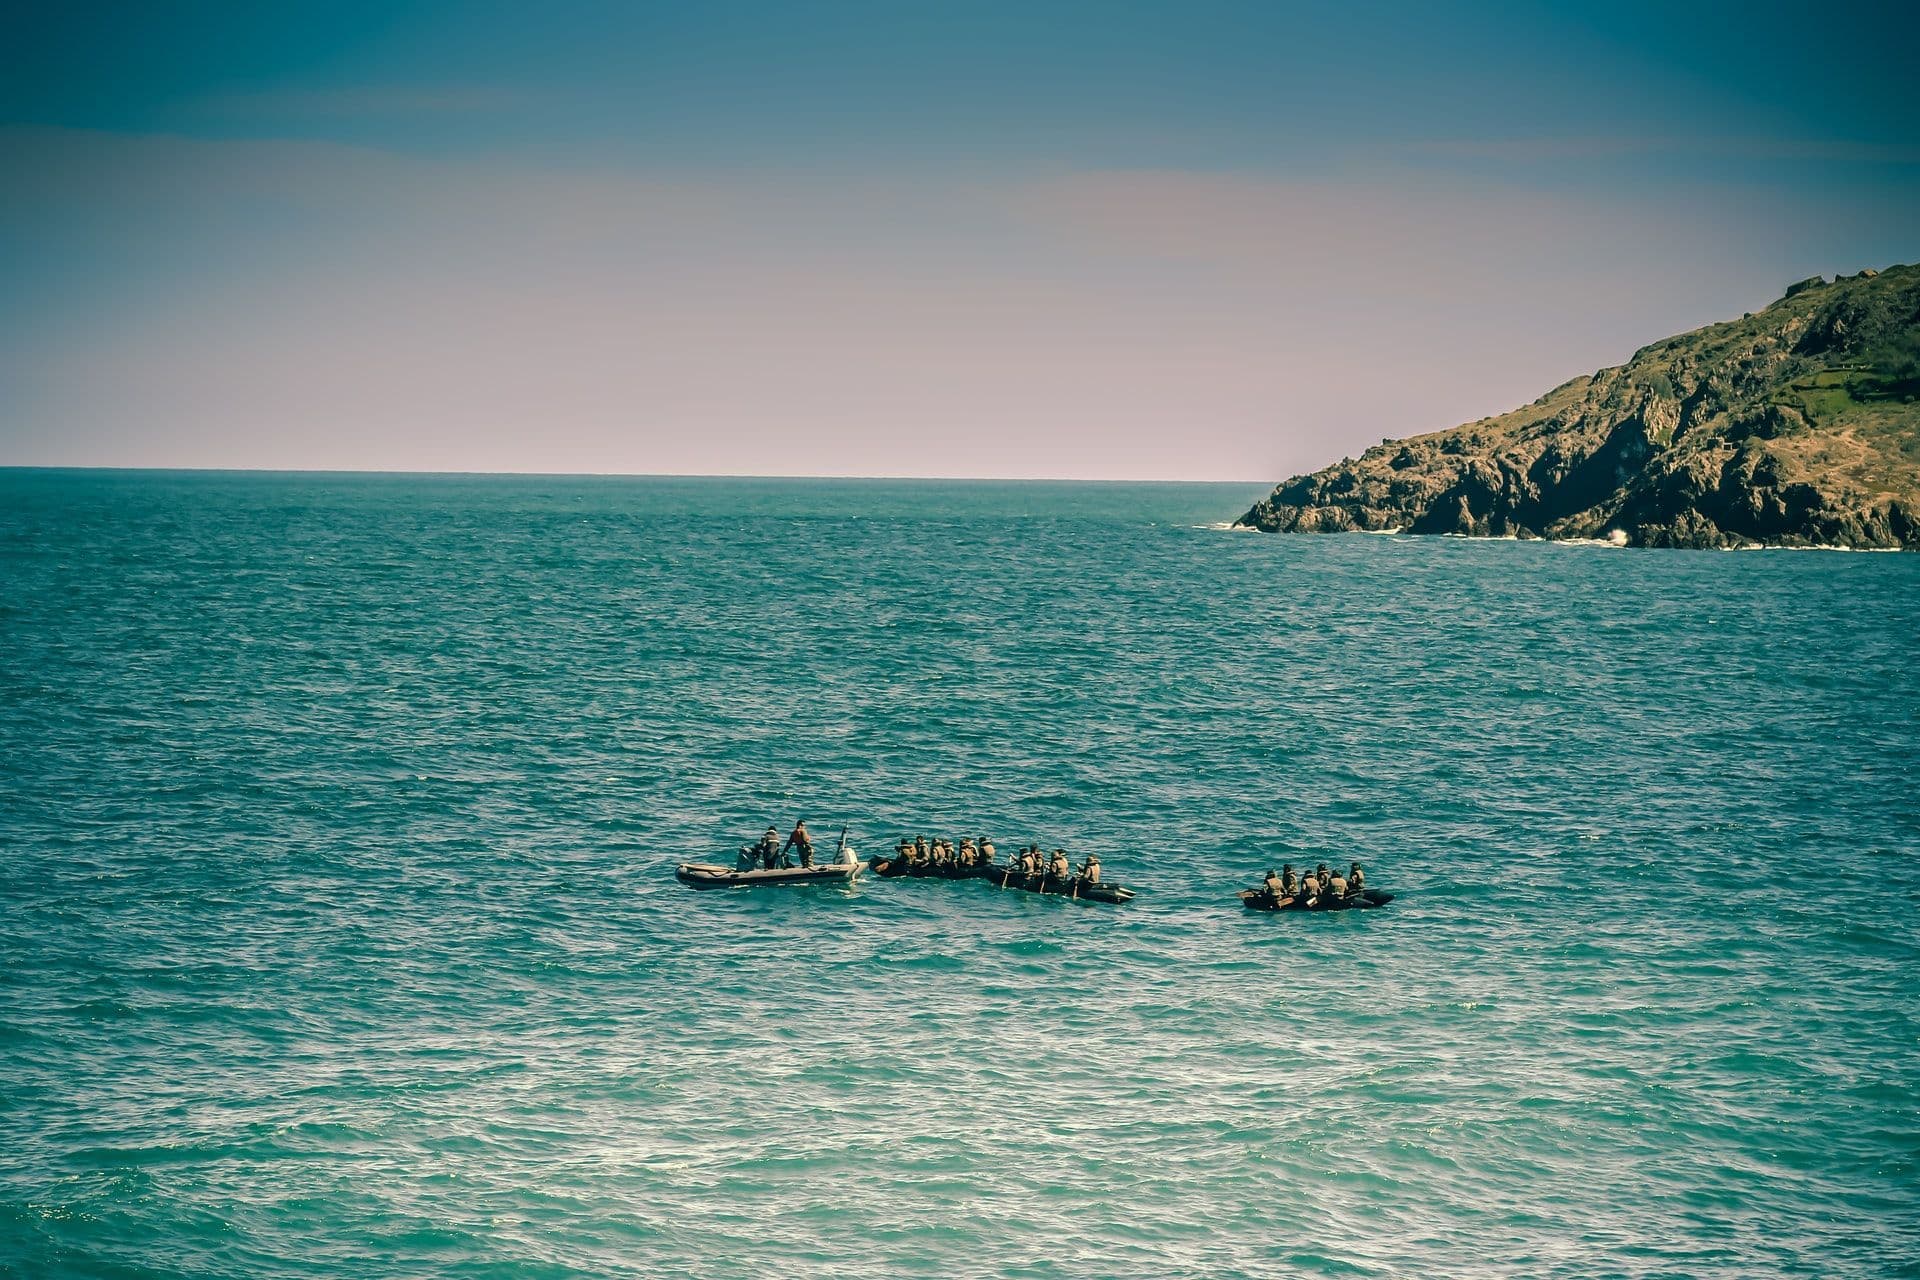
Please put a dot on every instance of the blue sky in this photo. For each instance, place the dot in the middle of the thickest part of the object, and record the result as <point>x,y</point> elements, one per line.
<point>1108,240</point>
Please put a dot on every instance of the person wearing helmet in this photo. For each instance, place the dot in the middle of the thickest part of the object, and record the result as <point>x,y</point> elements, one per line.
<point>1059,869</point>
<point>1337,886</point>
<point>1356,881</point>
<point>1289,881</point>
<point>987,851</point>
<point>1090,869</point>
<point>1276,888</point>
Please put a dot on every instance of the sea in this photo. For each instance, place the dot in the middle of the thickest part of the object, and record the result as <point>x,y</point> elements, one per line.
<point>340,937</point>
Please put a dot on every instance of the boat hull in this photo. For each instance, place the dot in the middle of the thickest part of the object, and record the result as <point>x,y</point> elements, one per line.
<point>1072,887</point>
<point>1258,900</point>
<point>895,868</point>
<point>711,875</point>
<point>1005,877</point>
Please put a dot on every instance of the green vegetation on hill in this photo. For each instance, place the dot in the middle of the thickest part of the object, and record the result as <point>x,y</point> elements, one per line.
<point>1798,425</point>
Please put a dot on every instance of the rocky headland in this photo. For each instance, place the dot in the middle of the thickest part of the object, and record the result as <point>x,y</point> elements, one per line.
<point>1798,425</point>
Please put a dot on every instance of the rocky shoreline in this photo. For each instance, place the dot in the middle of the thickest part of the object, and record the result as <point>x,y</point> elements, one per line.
<point>1795,426</point>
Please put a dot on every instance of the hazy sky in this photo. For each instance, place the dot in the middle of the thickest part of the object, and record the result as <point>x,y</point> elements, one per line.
<point>1185,240</point>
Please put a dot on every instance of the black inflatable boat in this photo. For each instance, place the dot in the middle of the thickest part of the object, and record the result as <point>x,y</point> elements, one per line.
<point>1003,876</point>
<point>1261,900</point>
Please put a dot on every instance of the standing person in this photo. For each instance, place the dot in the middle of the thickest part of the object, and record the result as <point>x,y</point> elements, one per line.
<point>799,840</point>
<point>758,853</point>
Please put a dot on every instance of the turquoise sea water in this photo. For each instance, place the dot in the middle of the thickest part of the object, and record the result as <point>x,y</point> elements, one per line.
<point>339,936</point>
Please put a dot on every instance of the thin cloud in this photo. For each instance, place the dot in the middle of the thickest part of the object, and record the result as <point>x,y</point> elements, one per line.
<point>1544,149</point>
<point>361,102</point>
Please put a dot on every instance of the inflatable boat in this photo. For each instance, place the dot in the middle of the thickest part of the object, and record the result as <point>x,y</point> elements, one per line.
<point>1261,900</point>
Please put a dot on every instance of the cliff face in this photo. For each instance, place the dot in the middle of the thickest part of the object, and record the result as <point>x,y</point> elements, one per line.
<point>1798,425</point>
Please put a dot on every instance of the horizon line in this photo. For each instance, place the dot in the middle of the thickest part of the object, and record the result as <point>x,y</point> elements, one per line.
<point>608,475</point>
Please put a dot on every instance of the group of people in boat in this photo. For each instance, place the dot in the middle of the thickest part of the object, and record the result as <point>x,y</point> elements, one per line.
<point>768,854</point>
<point>941,854</point>
<point>1315,885</point>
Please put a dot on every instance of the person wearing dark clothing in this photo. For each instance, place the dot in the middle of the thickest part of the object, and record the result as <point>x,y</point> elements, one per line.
<point>761,852</point>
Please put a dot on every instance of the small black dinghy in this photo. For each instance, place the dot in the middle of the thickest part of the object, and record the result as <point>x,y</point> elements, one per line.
<point>895,867</point>
<point>1261,900</point>
<point>1073,887</point>
<point>1006,877</point>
